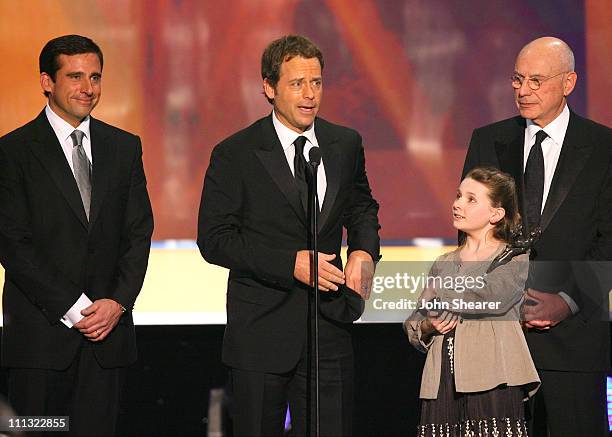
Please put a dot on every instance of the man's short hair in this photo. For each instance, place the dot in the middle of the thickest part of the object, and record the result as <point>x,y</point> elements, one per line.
<point>282,50</point>
<point>48,61</point>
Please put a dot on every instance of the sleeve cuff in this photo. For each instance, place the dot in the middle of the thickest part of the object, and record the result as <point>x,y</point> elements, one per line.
<point>420,337</point>
<point>570,302</point>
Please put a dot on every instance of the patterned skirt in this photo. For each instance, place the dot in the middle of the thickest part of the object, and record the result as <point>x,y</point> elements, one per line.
<point>494,413</point>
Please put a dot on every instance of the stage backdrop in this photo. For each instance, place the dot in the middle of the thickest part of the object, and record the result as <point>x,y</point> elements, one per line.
<point>414,77</point>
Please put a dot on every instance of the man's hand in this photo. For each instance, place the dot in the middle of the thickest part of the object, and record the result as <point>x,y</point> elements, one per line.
<point>100,319</point>
<point>544,310</point>
<point>329,275</point>
<point>359,272</point>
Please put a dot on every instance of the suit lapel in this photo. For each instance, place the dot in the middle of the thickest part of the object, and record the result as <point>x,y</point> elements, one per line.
<point>103,152</point>
<point>510,156</point>
<point>272,157</point>
<point>49,152</point>
<point>333,169</point>
<point>573,157</point>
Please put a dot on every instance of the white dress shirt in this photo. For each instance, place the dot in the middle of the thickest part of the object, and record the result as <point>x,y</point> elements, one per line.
<point>551,148</point>
<point>63,129</point>
<point>287,137</point>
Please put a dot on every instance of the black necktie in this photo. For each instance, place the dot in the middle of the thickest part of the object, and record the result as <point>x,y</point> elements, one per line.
<point>299,168</point>
<point>534,182</point>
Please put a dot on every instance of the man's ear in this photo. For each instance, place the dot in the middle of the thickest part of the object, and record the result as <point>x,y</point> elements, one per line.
<point>268,89</point>
<point>46,83</point>
<point>569,83</point>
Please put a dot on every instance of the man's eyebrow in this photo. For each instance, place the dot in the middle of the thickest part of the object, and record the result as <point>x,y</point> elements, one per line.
<point>530,75</point>
<point>303,78</point>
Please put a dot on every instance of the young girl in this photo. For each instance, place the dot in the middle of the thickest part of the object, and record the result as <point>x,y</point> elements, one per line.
<point>478,369</point>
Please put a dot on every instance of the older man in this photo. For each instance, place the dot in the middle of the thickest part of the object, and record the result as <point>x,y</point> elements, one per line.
<point>563,165</point>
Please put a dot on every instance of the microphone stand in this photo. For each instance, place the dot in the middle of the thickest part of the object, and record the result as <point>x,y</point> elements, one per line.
<point>313,164</point>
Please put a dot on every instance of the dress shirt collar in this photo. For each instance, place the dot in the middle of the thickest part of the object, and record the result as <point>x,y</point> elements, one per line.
<point>288,136</point>
<point>555,129</point>
<point>62,128</point>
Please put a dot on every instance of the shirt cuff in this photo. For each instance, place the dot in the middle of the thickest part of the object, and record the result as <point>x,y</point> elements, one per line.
<point>570,302</point>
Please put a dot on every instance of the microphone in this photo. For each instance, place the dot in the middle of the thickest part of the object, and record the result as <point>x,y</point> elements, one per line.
<point>314,159</point>
<point>314,156</point>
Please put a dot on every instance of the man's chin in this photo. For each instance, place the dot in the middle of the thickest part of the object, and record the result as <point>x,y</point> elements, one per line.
<point>82,108</point>
<point>83,113</point>
<point>306,122</point>
<point>527,113</point>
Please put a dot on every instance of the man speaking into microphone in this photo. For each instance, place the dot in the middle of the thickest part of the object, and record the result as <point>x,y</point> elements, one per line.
<point>254,220</point>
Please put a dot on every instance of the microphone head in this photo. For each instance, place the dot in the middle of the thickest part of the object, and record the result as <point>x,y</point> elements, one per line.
<point>314,156</point>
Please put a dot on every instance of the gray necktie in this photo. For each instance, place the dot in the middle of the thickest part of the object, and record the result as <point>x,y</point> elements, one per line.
<point>82,169</point>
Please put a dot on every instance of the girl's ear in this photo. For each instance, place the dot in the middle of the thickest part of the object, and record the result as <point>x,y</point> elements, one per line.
<point>497,215</point>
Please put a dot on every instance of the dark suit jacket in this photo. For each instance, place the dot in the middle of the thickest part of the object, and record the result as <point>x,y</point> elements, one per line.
<point>252,222</point>
<point>576,230</point>
<point>51,254</point>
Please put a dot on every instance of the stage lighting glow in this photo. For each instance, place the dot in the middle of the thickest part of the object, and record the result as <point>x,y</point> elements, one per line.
<point>609,398</point>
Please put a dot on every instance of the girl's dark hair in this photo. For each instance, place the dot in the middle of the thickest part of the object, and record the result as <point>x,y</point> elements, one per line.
<point>502,192</point>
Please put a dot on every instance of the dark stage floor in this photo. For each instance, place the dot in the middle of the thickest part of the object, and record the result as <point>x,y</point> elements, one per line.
<point>167,389</point>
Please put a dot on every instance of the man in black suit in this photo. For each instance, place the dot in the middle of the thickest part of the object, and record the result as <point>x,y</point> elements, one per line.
<point>563,167</point>
<point>254,221</point>
<point>75,234</point>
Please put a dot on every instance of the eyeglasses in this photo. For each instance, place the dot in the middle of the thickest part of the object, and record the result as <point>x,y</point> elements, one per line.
<point>534,82</point>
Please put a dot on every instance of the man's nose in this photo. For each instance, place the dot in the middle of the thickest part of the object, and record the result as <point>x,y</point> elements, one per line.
<point>524,89</point>
<point>308,91</point>
<point>86,86</point>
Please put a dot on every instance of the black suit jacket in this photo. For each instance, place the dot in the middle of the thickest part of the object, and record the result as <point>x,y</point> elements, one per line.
<point>576,235</point>
<point>252,222</point>
<point>51,254</point>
